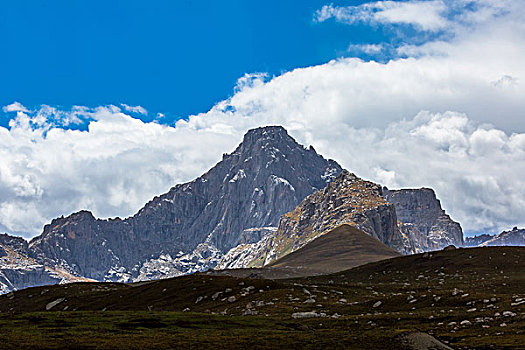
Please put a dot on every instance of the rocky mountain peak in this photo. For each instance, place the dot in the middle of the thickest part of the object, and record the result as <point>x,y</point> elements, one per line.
<point>235,202</point>
<point>269,143</point>
<point>275,133</point>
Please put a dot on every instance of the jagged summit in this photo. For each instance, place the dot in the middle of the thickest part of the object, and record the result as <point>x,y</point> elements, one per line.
<point>274,136</point>
<point>274,132</point>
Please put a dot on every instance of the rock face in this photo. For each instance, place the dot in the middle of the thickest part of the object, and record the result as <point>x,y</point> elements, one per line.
<point>267,175</point>
<point>346,200</point>
<point>18,271</point>
<point>514,237</point>
<point>423,223</point>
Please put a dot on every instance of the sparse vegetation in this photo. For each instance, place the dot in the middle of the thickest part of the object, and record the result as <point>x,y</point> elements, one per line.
<point>468,298</point>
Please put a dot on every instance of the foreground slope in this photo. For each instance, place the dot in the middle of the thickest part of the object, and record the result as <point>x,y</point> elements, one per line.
<point>466,298</point>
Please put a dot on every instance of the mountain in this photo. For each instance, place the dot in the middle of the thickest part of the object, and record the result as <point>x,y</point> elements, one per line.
<point>514,237</point>
<point>18,271</point>
<point>340,249</point>
<point>191,226</point>
<point>476,241</point>
<point>268,198</point>
<point>346,200</point>
<point>423,223</point>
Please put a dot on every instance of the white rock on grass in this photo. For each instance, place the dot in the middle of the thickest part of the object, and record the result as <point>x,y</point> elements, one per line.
<point>307,314</point>
<point>508,314</point>
<point>377,304</point>
<point>52,304</point>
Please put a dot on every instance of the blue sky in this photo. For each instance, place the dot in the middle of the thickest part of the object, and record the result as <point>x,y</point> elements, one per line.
<point>405,93</point>
<point>174,57</point>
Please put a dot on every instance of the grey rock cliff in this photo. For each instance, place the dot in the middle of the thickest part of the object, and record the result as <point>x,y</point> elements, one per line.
<point>268,174</point>
<point>423,223</point>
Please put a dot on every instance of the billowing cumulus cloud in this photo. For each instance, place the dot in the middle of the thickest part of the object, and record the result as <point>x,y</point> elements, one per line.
<point>112,168</point>
<point>448,116</point>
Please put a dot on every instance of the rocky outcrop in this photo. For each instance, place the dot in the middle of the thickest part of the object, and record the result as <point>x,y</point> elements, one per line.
<point>423,223</point>
<point>267,175</point>
<point>346,200</point>
<point>514,237</point>
<point>18,270</point>
<point>13,243</point>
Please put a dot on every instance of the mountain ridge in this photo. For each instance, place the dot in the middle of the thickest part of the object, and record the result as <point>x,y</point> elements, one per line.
<point>225,216</point>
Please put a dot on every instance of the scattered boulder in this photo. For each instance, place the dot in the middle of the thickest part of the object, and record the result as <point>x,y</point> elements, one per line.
<point>52,304</point>
<point>377,304</point>
<point>307,314</point>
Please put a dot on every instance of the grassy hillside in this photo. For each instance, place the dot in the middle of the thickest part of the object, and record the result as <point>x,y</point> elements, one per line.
<point>467,298</point>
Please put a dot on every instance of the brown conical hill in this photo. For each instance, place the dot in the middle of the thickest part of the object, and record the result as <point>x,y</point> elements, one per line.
<point>340,249</point>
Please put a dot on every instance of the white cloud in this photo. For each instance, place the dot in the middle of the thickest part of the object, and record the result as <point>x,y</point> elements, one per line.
<point>15,107</point>
<point>135,109</point>
<point>425,15</point>
<point>369,49</point>
<point>450,118</point>
<point>113,168</point>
